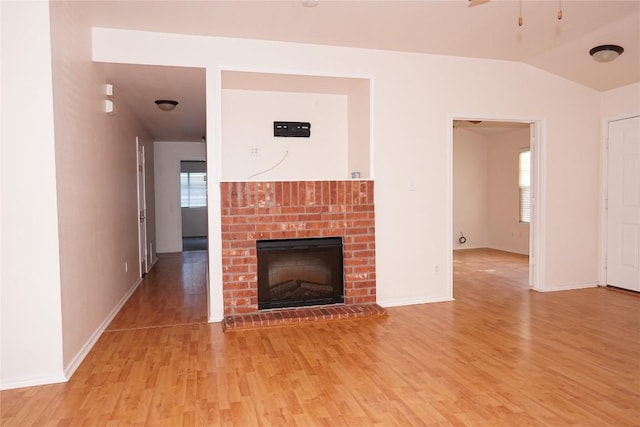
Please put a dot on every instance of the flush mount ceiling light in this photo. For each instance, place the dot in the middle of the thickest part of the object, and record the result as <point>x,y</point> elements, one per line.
<point>606,52</point>
<point>166,104</point>
<point>310,3</point>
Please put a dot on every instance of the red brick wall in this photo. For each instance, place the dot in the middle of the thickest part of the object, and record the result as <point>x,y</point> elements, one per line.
<point>296,209</point>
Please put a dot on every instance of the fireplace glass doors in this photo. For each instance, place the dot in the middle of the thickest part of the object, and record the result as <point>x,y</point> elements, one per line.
<point>300,272</point>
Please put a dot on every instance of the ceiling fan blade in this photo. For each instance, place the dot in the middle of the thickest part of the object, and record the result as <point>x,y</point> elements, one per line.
<point>473,3</point>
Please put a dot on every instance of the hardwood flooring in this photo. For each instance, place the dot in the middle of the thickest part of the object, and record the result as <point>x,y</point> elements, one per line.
<point>194,244</point>
<point>500,355</point>
<point>174,292</point>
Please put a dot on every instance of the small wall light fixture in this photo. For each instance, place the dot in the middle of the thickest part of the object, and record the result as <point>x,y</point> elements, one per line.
<point>109,107</point>
<point>606,52</point>
<point>109,104</point>
<point>166,104</point>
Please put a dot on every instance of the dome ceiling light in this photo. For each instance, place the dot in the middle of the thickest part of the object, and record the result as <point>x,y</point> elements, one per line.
<point>166,104</point>
<point>606,52</point>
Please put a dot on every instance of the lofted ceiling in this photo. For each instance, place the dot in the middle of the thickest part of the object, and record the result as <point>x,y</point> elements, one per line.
<point>482,29</point>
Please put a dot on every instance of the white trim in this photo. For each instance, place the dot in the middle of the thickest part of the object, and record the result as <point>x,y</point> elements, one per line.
<point>171,250</point>
<point>448,268</point>
<point>538,170</point>
<point>412,301</point>
<point>372,119</point>
<point>213,154</point>
<point>537,247</point>
<point>86,348</point>
<point>620,117</point>
<point>568,286</point>
<point>291,72</point>
<point>476,247</point>
<point>510,250</point>
<point>33,381</point>
<point>153,262</point>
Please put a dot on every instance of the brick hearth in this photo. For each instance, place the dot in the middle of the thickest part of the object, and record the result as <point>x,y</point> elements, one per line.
<point>288,316</point>
<point>295,209</point>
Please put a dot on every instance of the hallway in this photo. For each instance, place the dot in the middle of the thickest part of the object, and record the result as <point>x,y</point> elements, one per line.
<point>173,293</point>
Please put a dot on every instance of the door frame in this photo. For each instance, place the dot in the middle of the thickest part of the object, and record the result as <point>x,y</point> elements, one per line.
<point>538,185</point>
<point>604,187</point>
<point>143,258</point>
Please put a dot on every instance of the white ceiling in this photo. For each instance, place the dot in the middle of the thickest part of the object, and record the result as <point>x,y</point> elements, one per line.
<point>141,85</point>
<point>455,27</point>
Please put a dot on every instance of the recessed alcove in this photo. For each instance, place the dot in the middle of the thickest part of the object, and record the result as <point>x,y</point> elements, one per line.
<point>338,109</point>
<point>294,188</point>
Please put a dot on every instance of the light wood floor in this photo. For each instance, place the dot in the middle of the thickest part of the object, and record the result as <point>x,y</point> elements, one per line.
<point>174,292</point>
<point>500,355</point>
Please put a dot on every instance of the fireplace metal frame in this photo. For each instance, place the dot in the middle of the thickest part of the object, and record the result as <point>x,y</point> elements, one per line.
<point>267,249</point>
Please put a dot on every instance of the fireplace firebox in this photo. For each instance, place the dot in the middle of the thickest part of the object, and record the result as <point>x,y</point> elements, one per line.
<point>300,272</point>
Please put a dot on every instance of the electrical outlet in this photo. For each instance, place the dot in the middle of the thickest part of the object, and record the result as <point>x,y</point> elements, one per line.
<point>254,151</point>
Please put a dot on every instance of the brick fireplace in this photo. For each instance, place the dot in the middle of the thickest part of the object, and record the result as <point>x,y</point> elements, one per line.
<point>254,211</point>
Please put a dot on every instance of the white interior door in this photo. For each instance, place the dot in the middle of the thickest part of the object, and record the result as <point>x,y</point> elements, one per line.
<point>623,201</point>
<point>142,211</point>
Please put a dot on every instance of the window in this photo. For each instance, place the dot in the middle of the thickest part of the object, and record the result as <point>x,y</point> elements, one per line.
<point>193,189</point>
<point>524,183</point>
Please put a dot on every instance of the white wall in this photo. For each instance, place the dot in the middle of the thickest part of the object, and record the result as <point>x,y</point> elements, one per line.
<point>194,222</point>
<point>247,121</point>
<point>96,174</point>
<point>621,102</point>
<point>506,233</point>
<point>485,190</point>
<point>413,98</point>
<point>359,126</point>
<point>167,157</point>
<point>470,189</point>
<point>31,318</point>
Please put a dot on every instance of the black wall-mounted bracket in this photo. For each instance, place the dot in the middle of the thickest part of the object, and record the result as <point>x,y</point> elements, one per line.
<point>292,129</point>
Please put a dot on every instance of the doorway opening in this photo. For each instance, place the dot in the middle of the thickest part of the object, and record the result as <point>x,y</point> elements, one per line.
<point>193,205</point>
<point>494,180</point>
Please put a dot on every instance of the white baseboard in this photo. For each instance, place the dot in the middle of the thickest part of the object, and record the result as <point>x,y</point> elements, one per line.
<point>32,381</point>
<point>510,250</point>
<point>169,250</point>
<point>568,287</point>
<point>462,248</point>
<point>153,262</point>
<point>411,301</point>
<point>86,348</point>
